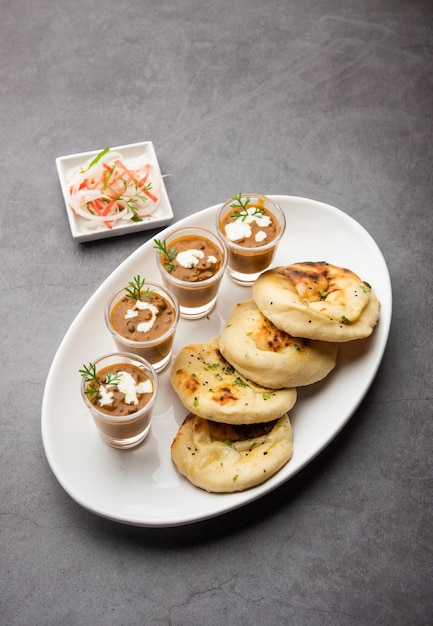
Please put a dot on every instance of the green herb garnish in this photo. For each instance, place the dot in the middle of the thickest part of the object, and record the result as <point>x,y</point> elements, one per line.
<point>107,180</point>
<point>131,201</point>
<point>169,253</point>
<point>323,294</point>
<point>239,382</point>
<point>88,372</point>
<point>345,320</point>
<point>365,289</point>
<point>243,205</point>
<point>97,158</point>
<point>211,366</point>
<point>238,201</point>
<point>134,290</point>
<point>266,396</point>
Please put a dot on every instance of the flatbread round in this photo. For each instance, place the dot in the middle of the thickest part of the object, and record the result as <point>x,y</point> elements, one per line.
<point>223,459</point>
<point>271,357</point>
<point>210,387</point>
<point>317,300</point>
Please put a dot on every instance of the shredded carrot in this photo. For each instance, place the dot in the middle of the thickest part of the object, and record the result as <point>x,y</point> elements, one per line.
<point>150,195</point>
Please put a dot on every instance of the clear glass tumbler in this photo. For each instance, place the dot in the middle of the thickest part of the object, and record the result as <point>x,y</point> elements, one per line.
<point>192,268</point>
<point>251,226</point>
<point>153,337</point>
<point>120,398</point>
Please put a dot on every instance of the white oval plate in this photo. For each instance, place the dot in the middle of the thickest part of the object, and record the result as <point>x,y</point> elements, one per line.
<point>141,486</point>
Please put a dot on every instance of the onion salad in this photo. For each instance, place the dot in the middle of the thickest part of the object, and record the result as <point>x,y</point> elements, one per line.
<point>107,190</point>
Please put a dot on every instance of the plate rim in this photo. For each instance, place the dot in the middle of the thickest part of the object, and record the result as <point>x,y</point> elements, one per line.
<point>274,482</point>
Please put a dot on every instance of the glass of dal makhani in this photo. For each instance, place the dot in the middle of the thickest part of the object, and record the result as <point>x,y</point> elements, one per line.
<point>120,391</point>
<point>142,318</point>
<point>192,261</point>
<point>251,225</point>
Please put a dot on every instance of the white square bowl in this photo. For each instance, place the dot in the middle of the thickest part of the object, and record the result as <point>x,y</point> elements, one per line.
<point>81,231</point>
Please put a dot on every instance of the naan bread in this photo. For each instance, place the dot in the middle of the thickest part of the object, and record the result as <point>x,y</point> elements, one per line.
<point>223,459</point>
<point>271,357</point>
<point>210,387</point>
<point>317,300</point>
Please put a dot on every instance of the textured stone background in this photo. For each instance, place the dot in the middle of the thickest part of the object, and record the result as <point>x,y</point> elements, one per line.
<point>330,100</point>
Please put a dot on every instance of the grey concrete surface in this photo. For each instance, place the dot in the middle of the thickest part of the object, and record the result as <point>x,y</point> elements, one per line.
<point>330,100</point>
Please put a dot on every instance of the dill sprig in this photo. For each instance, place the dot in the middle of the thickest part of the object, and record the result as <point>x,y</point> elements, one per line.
<point>134,289</point>
<point>243,205</point>
<point>169,253</point>
<point>88,372</point>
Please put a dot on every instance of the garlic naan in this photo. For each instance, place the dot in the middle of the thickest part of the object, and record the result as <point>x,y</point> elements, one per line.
<point>317,300</point>
<point>269,356</point>
<point>211,388</point>
<point>221,458</point>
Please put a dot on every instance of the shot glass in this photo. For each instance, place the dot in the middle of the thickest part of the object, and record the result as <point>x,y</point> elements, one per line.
<point>251,226</point>
<point>144,326</point>
<point>120,393</point>
<point>192,262</point>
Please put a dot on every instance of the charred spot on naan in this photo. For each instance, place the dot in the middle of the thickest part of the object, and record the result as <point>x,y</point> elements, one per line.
<point>190,382</point>
<point>224,395</point>
<point>230,433</point>
<point>308,280</point>
<point>269,337</point>
<point>317,280</point>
